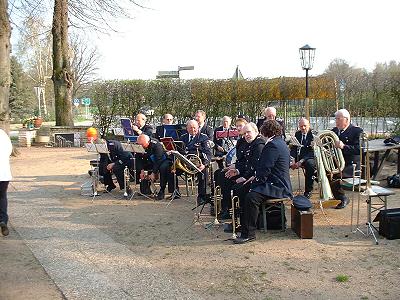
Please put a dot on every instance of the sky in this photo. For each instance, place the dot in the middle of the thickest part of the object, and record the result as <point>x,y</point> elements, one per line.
<point>261,36</point>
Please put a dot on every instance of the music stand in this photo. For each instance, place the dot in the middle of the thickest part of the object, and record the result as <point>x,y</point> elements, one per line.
<point>133,148</point>
<point>99,149</point>
<point>295,142</point>
<point>226,133</point>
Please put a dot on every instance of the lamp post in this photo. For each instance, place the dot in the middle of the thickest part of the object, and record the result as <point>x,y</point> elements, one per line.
<point>307,55</point>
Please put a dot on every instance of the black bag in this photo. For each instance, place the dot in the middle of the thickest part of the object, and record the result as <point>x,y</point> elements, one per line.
<point>274,220</point>
<point>392,141</point>
<point>394,181</point>
<point>145,187</point>
<point>389,223</point>
<point>301,202</point>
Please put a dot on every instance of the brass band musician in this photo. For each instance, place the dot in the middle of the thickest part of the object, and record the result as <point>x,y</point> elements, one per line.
<point>270,114</point>
<point>223,145</point>
<point>197,143</point>
<point>168,119</point>
<point>349,142</point>
<point>200,117</point>
<point>156,161</point>
<point>140,125</point>
<point>303,156</point>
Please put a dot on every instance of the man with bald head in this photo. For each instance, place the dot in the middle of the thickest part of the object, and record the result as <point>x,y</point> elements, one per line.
<point>197,143</point>
<point>303,156</point>
<point>156,161</point>
<point>140,125</point>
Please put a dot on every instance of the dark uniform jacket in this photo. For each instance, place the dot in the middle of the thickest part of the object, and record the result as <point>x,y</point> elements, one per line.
<point>116,154</point>
<point>351,151</point>
<point>241,147</point>
<point>250,157</point>
<point>155,154</point>
<point>199,145</point>
<point>226,143</point>
<point>307,151</point>
<point>272,172</point>
<point>208,131</point>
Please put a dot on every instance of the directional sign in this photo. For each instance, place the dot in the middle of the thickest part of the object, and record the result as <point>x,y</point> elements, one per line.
<point>76,102</point>
<point>86,101</point>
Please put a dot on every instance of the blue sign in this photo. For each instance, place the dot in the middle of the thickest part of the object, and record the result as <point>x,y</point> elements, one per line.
<point>76,102</point>
<point>86,101</point>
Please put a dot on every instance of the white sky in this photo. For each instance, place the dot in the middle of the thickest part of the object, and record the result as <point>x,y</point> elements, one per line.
<point>261,36</point>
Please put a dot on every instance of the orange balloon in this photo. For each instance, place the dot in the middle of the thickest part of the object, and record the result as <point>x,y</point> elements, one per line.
<point>91,133</point>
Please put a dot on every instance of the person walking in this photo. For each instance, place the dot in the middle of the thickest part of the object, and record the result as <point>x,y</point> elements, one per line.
<point>5,177</point>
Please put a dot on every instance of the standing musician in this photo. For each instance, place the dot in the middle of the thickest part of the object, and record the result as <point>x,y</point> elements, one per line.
<point>238,177</point>
<point>168,119</point>
<point>156,161</point>
<point>223,145</point>
<point>198,143</point>
<point>271,180</point>
<point>140,125</point>
<point>303,156</point>
<point>270,114</point>
<point>349,142</point>
<point>200,117</point>
<point>115,162</point>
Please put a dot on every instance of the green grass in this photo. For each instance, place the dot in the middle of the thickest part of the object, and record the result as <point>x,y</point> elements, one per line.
<point>342,278</point>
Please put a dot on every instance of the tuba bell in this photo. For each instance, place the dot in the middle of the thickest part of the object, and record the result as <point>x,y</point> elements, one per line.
<point>187,168</point>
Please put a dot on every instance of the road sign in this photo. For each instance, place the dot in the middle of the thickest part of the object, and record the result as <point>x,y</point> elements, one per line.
<point>86,101</point>
<point>168,74</point>
<point>76,102</point>
<point>186,68</point>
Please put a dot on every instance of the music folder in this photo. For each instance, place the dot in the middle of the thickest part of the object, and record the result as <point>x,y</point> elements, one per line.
<point>168,143</point>
<point>134,148</point>
<point>227,133</point>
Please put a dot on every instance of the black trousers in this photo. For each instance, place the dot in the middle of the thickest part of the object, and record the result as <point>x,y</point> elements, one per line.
<point>167,177</point>
<point>309,170</point>
<point>202,182</point>
<point>3,201</point>
<point>226,188</point>
<point>251,207</point>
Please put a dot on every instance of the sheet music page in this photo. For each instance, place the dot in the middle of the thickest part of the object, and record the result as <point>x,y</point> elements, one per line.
<point>90,147</point>
<point>101,148</point>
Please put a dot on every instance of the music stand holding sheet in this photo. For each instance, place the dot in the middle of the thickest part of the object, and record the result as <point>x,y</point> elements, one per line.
<point>226,134</point>
<point>133,148</point>
<point>99,149</point>
<point>295,142</point>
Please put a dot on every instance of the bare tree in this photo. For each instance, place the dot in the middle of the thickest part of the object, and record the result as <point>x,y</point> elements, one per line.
<point>5,78</point>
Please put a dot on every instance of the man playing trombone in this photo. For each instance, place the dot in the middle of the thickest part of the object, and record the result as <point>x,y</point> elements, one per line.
<point>303,156</point>
<point>349,142</point>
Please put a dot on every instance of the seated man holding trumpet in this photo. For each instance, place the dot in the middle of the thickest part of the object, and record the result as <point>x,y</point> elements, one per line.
<point>156,161</point>
<point>198,144</point>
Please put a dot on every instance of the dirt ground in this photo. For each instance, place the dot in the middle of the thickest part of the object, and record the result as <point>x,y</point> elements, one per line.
<point>278,265</point>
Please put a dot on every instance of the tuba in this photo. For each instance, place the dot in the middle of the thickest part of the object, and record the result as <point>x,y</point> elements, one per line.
<point>329,159</point>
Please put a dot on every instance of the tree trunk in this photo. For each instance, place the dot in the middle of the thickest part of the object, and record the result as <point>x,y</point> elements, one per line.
<point>5,76</point>
<point>62,74</point>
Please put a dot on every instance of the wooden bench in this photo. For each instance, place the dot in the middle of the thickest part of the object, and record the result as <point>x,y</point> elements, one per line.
<point>274,203</point>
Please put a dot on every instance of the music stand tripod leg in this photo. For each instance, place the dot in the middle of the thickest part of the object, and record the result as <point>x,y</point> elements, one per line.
<point>175,192</point>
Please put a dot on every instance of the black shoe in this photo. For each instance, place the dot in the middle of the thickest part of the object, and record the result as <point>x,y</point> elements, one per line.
<point>160,195</point>
<point>4,229</point>
<point>241,240</point>
<point>343,204</point>
<point>110,187</point>
<point>307,195</point>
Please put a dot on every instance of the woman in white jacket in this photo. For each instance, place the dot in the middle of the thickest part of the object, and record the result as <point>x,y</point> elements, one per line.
<point>5,177</point>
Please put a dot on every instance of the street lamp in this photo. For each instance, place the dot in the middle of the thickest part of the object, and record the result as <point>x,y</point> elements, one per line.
<point>307,55</point>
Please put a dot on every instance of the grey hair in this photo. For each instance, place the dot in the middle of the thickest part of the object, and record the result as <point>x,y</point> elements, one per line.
<point>271,108</point>
<point>344,113</point>
<point>253,126</point>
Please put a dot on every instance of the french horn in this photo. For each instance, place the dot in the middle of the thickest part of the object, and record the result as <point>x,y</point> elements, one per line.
<point>187,168</point>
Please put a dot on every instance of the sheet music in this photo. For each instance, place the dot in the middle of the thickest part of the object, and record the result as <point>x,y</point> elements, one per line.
<point>294,141</point>
<point>90,147</point>
<point>135,148</point>
<point>102,148</point>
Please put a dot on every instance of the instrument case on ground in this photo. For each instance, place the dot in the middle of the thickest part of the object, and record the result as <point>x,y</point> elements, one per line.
<point>302,222</point>
<point>389,223</point>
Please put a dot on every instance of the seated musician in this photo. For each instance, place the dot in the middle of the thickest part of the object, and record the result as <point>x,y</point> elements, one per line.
<point>168,119</point>
<point>237,178</point>
<point>156,161</point>
<point>349,142</point>
<point>223,145</point>
<point>115,162</point>
<point>198,143</point>
<point>140,126</point>
<point>270,114</point>
<point>200,117</point>
<point>303,156</point>
<point>271,180</point>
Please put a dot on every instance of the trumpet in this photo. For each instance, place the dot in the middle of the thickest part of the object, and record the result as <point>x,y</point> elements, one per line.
<point>235,206</point>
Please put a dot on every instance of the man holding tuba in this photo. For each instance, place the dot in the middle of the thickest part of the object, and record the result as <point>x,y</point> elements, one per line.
<point>303,156</point>
<point>197,143</point>
<point>349,142</point>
